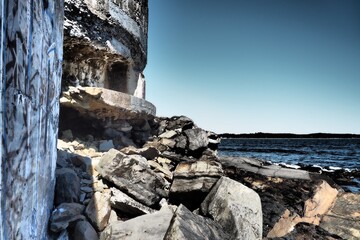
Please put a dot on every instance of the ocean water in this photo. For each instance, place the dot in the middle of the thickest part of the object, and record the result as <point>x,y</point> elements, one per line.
<point>326,153</point>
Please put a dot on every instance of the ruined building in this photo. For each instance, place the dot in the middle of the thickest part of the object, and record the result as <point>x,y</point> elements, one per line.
<point>105,52</point>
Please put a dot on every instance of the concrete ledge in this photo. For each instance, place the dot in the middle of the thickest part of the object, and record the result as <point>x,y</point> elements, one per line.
<point>103,103</point>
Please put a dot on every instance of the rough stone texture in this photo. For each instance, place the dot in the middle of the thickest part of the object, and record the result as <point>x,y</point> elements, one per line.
<point>236,208</point>
<point>198,139</point>
<point>150,226</point>
<point>98,210</point>
<point>315,207</point>
<point>132,175</point>
<point>101,103</point>
<point>126,204</point>
<point>192,181</point>
<point>344,218</point>
<point>67,187</point>
<point>84,231</point>
<point>147,152</point>
<point>64,214</point>
<point>30,70</point>
<point>187,225</point>
<point>105,145</point>
<point>106,44</point>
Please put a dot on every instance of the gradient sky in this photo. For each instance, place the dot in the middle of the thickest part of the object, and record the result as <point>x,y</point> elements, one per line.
<point>258,65</point>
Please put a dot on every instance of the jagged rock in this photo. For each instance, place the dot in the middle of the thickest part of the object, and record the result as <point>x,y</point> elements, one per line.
<point>67,187</point>
<point>168,134</point>
<point>105,145</point>
<point>187,225</point>
<point>64,214</point>
<point>126,204</point>
<point>193,180</point>
<point>176,157</point>
<point>319,204</point>
<point>84,231</point>
<point>198,140</point>
<point>168,142</point>
<point>150,226</point>
<point>180,122</point>
<point>344,218</point>
<point>323,199</point>
<point>163,169</point>
<point>304,231</point>
<point>132,175</point>
<point>236,208</point>
<point>98,210</point>
<point>147,152</point>
<point>214,141</point>
<point>181,143</point>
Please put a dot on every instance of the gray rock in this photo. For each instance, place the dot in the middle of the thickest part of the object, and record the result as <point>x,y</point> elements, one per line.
<point>236,208</point>
<point>84,163</point>
<point>67,186</point>
<point>126,204</point>
<point>84,231</point>
<point>181,143</point>
<point>344,218</point>
<point>198,139</point>
<point>147,152</point>
<point>168,142</point>
<point>105,145</point>
<point>133,176</point>
<point>168,134</point>
<point>150,226</point>
<point>192,181</point>
<point>187,225</point>
<point>98,210</point>
<point>64,214</point>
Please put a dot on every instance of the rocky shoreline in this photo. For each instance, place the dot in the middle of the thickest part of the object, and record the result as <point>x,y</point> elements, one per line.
<point>171,184</point>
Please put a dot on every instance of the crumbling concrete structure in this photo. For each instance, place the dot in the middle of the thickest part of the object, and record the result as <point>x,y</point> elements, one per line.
<point>105,52</point>
<point>30,69</point>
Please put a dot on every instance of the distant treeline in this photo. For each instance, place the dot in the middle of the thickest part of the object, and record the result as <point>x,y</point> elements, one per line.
<point>288,135</point>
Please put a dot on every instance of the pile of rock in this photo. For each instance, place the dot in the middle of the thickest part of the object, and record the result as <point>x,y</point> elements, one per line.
<point>174,186</point>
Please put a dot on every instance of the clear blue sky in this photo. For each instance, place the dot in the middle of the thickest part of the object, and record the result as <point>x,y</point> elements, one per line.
<point>257,65</point>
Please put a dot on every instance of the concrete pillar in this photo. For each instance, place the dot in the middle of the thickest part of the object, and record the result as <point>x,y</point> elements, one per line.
<point>30,68</point>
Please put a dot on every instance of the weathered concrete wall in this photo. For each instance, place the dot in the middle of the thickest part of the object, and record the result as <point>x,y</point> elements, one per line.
<point>30,65</point>
<point>106,44</point>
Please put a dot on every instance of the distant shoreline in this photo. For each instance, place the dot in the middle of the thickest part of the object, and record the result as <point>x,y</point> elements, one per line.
<point>289,135</point>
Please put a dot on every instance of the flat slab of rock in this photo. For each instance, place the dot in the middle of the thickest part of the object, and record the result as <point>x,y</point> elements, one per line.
<point>104,103</point>
<point>187,225</point>
<point>126,204</point>
<point>259,167</point>
<point>132,175</point>
<point>344,218</point>
<point>147,152</point>
<point>193,180</point>
<point>150,226</point>
<point>236,208</point>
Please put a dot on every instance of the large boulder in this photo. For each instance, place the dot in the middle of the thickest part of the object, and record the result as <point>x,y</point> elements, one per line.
<point>65,214</point>
<point>198,140</point>
<point>126,204</point>
<point>236,208</point>
<point>150,226</point>
<point>67,186</point>
<point>187,225</point>
<point>98,210</point>
<point>132,175</point>
<point>192,181</point>
<point>344,218</point>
